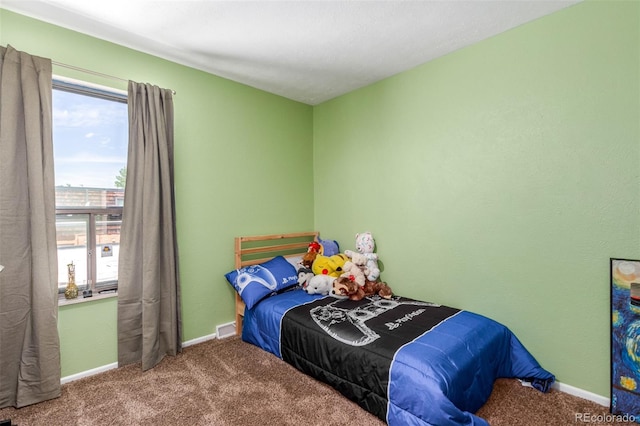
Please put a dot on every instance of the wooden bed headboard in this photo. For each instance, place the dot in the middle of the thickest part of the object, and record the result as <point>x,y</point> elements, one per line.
<point>258,249</point>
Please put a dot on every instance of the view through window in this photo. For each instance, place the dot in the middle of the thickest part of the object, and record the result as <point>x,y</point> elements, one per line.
<point>90,138</point>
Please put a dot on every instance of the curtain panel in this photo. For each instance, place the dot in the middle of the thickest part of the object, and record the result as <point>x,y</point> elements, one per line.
<point>149,319</point>
<point>29,342</point>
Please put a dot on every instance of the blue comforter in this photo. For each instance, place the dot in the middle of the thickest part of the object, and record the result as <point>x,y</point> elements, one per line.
<point>441,376</point>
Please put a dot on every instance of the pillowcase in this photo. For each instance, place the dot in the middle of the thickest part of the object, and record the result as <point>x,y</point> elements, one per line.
<point>255,282</point>
<point>295,261</point>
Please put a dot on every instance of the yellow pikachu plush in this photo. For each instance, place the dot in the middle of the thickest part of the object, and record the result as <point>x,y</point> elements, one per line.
<point>329,265</point>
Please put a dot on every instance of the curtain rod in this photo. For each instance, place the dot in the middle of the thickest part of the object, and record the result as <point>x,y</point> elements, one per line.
<point>99,74</point>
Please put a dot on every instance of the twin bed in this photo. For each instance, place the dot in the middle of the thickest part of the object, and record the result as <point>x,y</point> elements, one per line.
<point>409,362</point>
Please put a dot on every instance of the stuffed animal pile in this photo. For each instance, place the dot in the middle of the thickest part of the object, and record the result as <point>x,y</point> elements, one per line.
<point>352,274</point>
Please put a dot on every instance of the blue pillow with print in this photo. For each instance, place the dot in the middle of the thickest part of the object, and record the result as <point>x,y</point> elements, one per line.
<point>255,282</point>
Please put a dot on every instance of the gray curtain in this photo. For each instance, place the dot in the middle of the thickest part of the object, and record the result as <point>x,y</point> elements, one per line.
<point>29,343</point>
<point>149,321</point>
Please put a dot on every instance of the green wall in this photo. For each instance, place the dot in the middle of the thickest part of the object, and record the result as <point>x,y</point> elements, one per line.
<point>243,167</point>
<point>501,178</point>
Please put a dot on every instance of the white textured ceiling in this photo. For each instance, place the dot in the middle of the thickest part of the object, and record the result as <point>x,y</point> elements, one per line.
<point>309,51</point>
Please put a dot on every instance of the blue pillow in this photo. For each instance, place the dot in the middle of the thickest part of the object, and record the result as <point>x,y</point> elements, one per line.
<point>255,282</point>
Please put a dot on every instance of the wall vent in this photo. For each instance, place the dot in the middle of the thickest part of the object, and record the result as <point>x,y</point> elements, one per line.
<point>226,330</point>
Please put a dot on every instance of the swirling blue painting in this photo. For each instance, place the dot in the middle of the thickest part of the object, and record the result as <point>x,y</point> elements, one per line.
<point>625,337</point>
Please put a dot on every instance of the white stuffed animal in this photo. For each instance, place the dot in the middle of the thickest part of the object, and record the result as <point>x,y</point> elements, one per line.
<point>352,271</point>
<point>365,245</point>
<point>320,284</point>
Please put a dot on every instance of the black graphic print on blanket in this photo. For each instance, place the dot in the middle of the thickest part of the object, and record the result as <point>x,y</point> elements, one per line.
<point>351,345</point>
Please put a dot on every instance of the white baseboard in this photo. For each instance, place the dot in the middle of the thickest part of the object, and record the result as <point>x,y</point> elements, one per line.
<point>198,340</point>
<point>88,373</point>
<point>111,366</point>
<point>581,393</point>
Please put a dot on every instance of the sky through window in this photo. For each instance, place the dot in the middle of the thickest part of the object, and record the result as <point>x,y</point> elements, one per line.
<point>90,139</point>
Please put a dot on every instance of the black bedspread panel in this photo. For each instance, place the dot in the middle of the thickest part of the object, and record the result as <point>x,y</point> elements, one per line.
<point>350,345</point>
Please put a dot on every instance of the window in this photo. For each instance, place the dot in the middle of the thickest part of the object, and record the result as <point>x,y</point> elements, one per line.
<point>90,138</point>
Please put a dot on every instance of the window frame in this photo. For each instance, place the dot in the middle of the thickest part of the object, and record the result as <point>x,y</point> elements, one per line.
<point>88,89</point>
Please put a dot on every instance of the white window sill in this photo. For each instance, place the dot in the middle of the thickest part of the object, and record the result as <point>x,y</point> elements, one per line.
<point>64,302</point>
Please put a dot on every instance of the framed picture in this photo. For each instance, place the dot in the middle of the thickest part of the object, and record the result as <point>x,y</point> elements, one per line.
<point>625,337</point>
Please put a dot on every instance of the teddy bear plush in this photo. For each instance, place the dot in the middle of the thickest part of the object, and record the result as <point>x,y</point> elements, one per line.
<point>346,288</point>
<point>365,245</point>
<point>377,287</point>
<point>359,259</point>
<point>353,272</point>
<point>320,284</point>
